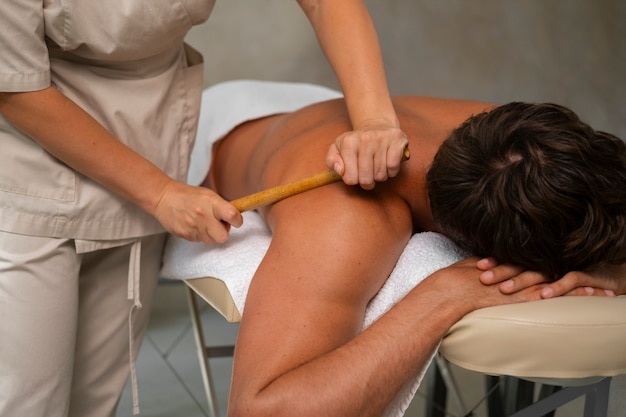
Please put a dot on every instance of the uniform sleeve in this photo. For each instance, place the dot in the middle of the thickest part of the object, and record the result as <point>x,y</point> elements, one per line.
<point>24,61</point>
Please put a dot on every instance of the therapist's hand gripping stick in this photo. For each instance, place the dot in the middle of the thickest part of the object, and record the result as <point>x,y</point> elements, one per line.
<point>280,192</point>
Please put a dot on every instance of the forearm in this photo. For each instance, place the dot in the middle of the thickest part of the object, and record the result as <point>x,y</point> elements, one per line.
<point>363,376</point>
<point>67,132</point>
<point>348,38</point>
<point>338,371</point>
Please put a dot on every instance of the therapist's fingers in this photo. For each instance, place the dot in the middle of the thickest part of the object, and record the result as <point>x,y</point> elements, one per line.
<point>196,214</point>
<point>334,160</point>
<point>369,154</point>
<point>215,228</point>
<point>397,153</point>
<point>352,158</point>
<point>343,157</point>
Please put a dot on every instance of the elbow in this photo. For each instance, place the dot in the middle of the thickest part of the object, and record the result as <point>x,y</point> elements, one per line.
<point>260,406</point>
<point>245,409</point>
<point>4,99</point>
<point>243,405</point>
<point>7,103</point>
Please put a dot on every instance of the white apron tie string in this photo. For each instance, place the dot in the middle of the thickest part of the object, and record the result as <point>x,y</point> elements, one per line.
<point>134,277</point>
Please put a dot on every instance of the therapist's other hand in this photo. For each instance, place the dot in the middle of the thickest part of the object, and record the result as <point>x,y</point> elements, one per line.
<point>196,214</point>
<point>370,153</point>
<point>607,280</point>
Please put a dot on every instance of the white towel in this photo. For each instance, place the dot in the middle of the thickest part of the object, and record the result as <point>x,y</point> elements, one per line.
<point>236,261</point>
<point>228,104</point>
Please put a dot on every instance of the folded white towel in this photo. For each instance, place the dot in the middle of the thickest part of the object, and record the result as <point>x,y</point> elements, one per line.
<point>236,261</point>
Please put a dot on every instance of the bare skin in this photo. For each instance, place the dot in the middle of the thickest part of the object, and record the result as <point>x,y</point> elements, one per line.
<point>300,350</point>
<point>259,154</point>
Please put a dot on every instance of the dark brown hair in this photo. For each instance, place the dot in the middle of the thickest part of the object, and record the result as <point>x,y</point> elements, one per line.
<point>532,185</point>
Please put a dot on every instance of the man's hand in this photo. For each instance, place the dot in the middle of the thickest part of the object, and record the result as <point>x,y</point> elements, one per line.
<point>608,280</point>
<point>460,283</point>
<point>371,153</point>
<point>196,213</point>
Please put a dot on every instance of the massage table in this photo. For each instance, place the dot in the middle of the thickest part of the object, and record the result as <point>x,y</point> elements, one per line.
<point>574,342</point>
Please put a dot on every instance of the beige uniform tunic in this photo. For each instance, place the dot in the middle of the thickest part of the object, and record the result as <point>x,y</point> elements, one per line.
<point>125,63</point>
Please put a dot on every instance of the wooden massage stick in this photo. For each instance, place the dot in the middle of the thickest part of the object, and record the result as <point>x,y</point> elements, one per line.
<point>280,192</point>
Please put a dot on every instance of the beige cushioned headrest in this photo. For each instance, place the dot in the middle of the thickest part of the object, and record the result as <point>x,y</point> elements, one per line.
<point>567,337</point>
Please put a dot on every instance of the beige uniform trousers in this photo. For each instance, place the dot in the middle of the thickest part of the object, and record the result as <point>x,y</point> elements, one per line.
<point>64,321</point>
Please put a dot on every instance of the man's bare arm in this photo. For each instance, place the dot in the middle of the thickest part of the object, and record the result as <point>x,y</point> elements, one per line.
<point>299,350</point>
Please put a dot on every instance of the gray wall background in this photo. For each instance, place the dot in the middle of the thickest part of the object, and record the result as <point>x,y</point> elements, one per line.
<point>572,52</point>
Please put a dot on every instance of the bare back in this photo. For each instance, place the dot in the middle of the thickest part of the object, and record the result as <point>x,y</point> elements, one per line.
<point>281,148</point>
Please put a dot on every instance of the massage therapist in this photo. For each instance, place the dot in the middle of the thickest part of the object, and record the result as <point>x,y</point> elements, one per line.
<point>99,103</point>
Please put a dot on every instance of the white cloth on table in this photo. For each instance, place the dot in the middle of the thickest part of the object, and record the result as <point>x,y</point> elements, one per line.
<point>226,105</point>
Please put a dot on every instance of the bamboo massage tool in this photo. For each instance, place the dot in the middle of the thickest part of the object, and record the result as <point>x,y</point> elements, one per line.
<point>280,192</point>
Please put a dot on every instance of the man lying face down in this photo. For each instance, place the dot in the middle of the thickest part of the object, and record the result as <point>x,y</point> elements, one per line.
<point>527,184</point>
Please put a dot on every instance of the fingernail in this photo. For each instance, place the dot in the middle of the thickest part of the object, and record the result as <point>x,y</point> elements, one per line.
<point>610,293</point>
<point>508,284</point>
<point>589,290</point>
<point>486,276</point>
<point>547,292</point>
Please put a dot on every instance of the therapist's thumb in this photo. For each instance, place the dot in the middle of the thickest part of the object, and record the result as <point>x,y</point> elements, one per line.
<point>226,212</point>
<point>334,160</point>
